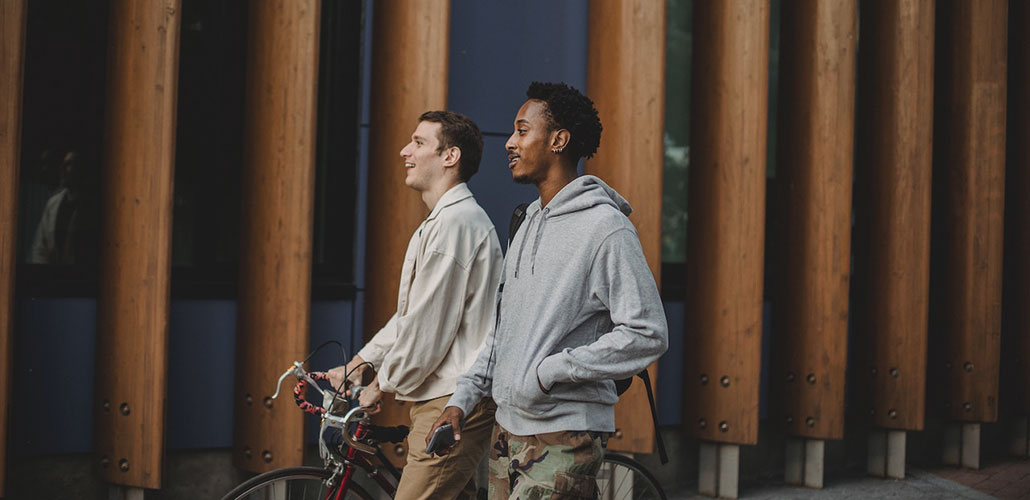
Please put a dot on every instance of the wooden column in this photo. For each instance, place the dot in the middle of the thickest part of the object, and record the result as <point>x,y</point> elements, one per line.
<point>892,220</point>
<point>1016,322</point>
<point>409,76</point>
<point>971,169</point>
<point>626,79</point>
<point>817,97</point>
<point>132,310</point>
<point>12,65</point>
<point>275,243</point>
<point>817,90</point>
<point>725,232</point>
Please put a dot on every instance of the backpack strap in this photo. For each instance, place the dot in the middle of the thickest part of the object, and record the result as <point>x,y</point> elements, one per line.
<point>517,216</point>
<point>646,377</point>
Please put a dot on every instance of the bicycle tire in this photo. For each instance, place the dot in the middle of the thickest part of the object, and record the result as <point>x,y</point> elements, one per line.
<point>622,478</point>
<point>309,480</point>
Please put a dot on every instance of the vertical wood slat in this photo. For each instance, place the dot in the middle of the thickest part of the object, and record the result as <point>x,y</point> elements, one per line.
<point>972,81</point>
<point>725,230</point>
<point>626,79</point>
<point>892,220</point>
<point>409,76</point>
<point>892,215</point>
<point>132,316</point>
<point>813,169</point>
<point>12,66</point>
<point>276,237</point>
<point>1017,214</point>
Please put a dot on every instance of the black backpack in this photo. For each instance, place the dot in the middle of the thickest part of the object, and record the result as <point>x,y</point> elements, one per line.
<point>622,385</point>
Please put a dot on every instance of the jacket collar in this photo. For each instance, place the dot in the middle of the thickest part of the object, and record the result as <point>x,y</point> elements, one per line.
<point>453,195</point>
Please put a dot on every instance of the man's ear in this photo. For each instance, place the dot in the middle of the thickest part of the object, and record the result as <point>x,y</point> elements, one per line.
<point>451,156</point>
<point>561,139</point>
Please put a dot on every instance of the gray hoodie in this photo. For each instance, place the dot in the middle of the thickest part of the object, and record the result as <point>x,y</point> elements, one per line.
<point>577,309</point>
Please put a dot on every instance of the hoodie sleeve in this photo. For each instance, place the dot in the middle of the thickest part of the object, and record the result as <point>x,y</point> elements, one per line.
<point>621,280</point>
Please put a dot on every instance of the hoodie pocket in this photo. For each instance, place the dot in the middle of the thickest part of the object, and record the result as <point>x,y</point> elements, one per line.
<point>585,392</point>
<point>531,397</point>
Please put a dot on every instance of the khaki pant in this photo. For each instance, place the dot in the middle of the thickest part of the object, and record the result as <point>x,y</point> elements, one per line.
<point>452,475</point>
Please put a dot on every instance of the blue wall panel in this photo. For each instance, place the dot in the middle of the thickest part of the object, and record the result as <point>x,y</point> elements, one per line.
<point>52,406</point>
<point>201,371</point>
<point>670,368</point>
<point>498,48</point>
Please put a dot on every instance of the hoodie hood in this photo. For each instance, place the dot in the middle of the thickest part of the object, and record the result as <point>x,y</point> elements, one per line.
<point>584,192</point>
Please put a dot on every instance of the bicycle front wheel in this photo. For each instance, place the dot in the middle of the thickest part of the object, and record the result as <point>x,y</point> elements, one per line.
<point>293,483</point>
<point>621,478</point>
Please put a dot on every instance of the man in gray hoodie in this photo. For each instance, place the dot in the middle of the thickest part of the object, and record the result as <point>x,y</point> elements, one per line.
<point>577,309</point>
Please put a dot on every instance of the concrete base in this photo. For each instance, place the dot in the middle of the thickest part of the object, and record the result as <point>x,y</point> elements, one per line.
<point>886,454</point>
<point>805,462</point>
<point>124,493</point>
<point>718,470</point>
<point>1019,442</point>
<point>962,445</point>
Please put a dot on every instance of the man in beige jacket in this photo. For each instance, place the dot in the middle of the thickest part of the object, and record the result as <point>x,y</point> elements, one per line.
<point>445,308</point>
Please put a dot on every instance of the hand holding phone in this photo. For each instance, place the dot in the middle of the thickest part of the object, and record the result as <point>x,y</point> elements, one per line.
<point>443,438</point>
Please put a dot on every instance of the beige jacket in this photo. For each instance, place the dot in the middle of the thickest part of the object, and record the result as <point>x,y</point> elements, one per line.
<point>446,301</point>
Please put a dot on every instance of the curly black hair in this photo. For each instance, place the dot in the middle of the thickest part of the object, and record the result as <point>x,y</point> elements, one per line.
<point>569,109</point>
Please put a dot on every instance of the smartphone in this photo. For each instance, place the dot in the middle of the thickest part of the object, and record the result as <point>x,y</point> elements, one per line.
<point>443,438</point>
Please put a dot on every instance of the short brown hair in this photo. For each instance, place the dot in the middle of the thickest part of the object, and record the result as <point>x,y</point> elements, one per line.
<point>458,130</point>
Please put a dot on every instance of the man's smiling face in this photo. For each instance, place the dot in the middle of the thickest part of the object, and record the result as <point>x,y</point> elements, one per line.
<point>422,162</point>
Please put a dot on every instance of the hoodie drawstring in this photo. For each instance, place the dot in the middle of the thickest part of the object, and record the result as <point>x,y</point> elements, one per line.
<point>518,262</point>
<point>536,243</point>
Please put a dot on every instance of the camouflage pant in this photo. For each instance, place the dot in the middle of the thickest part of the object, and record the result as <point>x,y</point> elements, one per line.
<point>545,466</point>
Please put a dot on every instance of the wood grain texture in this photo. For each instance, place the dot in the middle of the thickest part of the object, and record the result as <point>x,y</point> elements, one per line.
<point>626,80</point>
<point>1016,366</point>
<point>813,170</point>
<point>409,76</point>
<point>726,227</point>
<point>276,236</point>
<point>12,67</point>
<point>973,38</point>
<point>892,210</point>
<point>135,258</point>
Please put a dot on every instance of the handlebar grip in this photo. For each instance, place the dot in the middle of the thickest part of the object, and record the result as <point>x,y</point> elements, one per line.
<point>298,394</point>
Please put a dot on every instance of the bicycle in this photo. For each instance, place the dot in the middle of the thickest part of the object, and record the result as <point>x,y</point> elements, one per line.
<point>620,477</point>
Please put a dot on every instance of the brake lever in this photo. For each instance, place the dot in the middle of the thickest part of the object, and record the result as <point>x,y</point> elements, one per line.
<point>289,371</point>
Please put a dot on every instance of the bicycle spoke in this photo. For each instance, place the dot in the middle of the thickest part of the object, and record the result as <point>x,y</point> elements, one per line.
<point>620,478</point>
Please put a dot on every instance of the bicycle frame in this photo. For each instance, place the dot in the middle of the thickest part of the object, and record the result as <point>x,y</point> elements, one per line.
<point>356,459</point>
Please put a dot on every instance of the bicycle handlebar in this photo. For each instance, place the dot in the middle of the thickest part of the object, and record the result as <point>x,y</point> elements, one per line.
<point>303,379</point>
<point>298,393</point>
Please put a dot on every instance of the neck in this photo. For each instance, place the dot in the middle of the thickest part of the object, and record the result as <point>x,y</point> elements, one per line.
<point>432,195</point>
<point>558,176</point>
